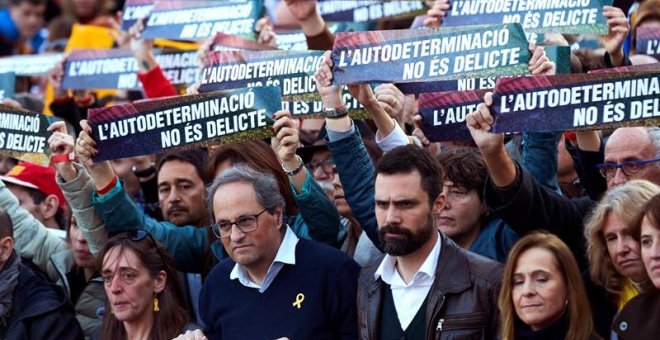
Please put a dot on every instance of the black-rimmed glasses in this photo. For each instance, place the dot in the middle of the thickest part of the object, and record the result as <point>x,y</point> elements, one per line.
<point>629,168</point>
<point>245,224</point>
<point>327,165</point>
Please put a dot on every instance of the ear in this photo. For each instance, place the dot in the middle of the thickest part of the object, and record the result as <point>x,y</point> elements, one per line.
<point>439,203</point>
<point>279,216</point>
<point>6,247</point>
<point>160,281</point>
<point>49,206</point>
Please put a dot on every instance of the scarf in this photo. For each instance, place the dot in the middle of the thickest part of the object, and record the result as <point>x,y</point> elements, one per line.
<point>8,282</point>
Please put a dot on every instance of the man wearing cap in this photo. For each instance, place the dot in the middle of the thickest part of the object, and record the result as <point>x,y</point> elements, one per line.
<point>38,193</point>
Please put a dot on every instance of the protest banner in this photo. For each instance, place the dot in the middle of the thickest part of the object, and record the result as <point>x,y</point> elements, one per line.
<point>560,55</point>
<point>368,10</point>
<point>648,40</point>
<point>194,20</point>
<point>297,41</point>
<point>550,16</point>
<point>443,114</point>
<point>117,69</point>
<point>24,135</point>
<point>30,65</point>
<point>228,42</point>
<point>402,56</point>
<point>133,11</point>
<point>7,85</point>
<point>292,71</point>
<point>579,101</point>
<point>151,126</point>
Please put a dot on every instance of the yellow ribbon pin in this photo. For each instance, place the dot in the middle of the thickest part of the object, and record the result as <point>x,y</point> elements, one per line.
<point>299,299</point>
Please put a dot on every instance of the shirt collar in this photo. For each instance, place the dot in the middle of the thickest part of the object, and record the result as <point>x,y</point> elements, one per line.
<point>387,269</point>
<point>286,254</point>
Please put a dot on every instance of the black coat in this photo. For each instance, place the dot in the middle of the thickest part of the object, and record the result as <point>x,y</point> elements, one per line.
<point>640,318</point>
<point>40,310</point>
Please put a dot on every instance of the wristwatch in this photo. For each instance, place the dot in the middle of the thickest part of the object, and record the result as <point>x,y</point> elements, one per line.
<point>144,172</point>
<point>336,113</point>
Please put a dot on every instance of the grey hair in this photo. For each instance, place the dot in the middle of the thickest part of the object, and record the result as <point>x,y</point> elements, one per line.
<point>654,133</point>
<point>264,184</point>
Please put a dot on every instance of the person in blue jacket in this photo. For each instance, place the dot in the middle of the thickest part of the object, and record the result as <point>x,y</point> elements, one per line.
<point>21,27</point>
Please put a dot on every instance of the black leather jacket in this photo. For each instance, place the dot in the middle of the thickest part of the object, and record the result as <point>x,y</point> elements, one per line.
<point>462,303</point>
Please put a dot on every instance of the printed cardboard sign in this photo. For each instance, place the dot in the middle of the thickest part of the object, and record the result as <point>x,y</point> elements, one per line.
<point>24,135</point>
<point>151,126</point>
<point>580,101</point>
<point>536,16</point>
<point>443,114</point>
<point>648,40</point>
<point>196,19</point>
<point>135,10</point>
<point>117,69</point>
<point>417,55</point>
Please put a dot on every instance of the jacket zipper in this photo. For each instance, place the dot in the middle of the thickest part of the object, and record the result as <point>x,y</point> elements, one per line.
<point>438,329</point>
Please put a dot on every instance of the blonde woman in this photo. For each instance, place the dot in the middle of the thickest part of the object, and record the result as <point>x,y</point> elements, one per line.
<point>616,270</point>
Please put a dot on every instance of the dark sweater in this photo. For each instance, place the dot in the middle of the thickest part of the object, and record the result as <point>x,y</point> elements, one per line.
<point>326,277</point>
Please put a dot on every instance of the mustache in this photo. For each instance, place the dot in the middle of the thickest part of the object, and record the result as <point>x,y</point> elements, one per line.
<point>176,206</point>
<point>394,229</point>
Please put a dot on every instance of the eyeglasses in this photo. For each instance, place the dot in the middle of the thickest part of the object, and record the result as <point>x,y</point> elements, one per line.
<point>327,165</point>
<point>629,168</point>
<point>245,224</point>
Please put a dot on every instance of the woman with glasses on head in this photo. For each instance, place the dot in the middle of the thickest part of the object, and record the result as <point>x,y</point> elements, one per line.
<point>143,291</point>
<point>542,295</point>
<point>615,266</point>
<point>628,324</point>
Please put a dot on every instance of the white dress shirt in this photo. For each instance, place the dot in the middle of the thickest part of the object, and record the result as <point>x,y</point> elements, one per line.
<point>285,254</point>
<point>408,298</point>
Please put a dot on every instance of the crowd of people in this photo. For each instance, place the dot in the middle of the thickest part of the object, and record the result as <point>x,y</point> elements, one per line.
<point>334,228</point>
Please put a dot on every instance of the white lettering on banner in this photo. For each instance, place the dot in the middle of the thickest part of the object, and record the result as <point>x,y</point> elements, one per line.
<point>452,115</point>
<point>552,98</point>
<point>424,48</point>
<point>175,116</point>
<point>474,7</point>
<point>19,122</point>
<point>261,69</point>
<point>136,12</point>
<point>199,15</point>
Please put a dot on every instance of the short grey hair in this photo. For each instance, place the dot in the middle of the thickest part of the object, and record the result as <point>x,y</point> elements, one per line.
<point>654,133</point>
<point>264,184</point>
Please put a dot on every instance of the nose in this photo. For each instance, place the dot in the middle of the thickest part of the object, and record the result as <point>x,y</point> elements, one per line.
<point>335,181</point>
<point>392,216</point>
<point>319,174</point>
<point>621,246</point>
<point>655,249</point>
<point>618,179</point>
<point>236,234</point>
<point>528,288</point>
<point>116,284</point>
<point>174,195</point>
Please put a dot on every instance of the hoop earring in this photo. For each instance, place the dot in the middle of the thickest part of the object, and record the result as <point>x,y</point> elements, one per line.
<point>156,307</point>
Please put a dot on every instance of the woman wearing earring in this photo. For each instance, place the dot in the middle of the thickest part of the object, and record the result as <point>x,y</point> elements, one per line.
<point>144,295</point>
<point>639,318</point>
<point>542,295</point>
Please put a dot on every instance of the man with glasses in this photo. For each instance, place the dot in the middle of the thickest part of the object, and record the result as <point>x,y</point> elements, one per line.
<point>525,205</point>
<point>281,286</point>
